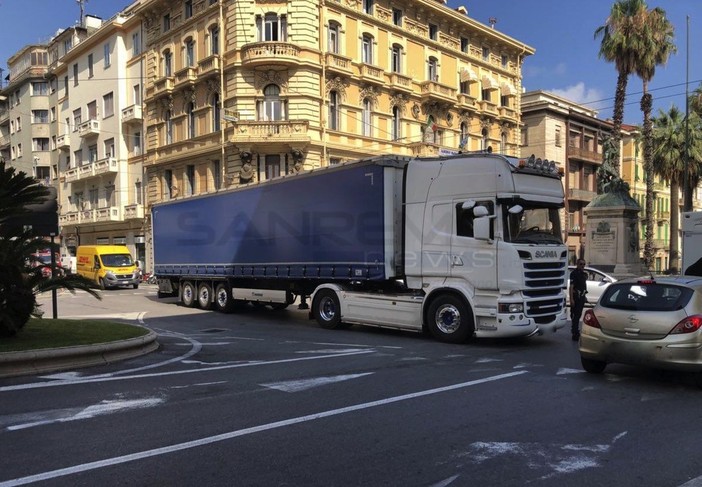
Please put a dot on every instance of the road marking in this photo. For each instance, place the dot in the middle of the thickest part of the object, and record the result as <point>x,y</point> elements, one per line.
<point>566,371</point>
<point>112,377</point>
<point>85,467</point>
<point>303,385</point>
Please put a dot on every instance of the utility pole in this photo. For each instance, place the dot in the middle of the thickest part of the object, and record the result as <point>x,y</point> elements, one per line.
<point>687,193</point>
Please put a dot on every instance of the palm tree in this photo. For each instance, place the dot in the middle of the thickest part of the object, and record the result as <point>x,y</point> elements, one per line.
<point>20,282</point>
<point>620,26</point>
<point>653,40</point>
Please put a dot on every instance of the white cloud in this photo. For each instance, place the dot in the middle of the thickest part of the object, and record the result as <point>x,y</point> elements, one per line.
<point>578,93</point>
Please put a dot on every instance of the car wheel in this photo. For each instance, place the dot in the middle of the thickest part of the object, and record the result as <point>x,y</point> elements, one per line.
<point>188,294</point>
<point>204,296</point>
<point>593,366</point>
<point>327,309</point>
<point>449,319</point>
<point>135,286</point>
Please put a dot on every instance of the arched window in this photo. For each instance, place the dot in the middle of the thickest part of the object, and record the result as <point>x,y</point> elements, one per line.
<point>367,49</point>
<point>396,123</point>
<point>333,43</point>
<point>484,140</point>
<point>167,63</point>
<point>214,39</point>
<point>189,60</point>
<point>168,133</point>
<point>464,142</point>
<point>191,120</point>
<point>396,62</point>
<point>216,113</point>
<point>367,118</point>
<point>333,110</point>
<point>433,66</point>
<point>271,107</point>
<point>503,143</point>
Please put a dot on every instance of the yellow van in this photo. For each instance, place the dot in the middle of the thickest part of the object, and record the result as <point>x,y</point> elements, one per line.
<point>107,265</point>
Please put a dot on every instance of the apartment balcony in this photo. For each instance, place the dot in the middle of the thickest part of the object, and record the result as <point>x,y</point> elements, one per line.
<point>424,149</point>
<point>432,91</point>
<point>267,53</point>
<point>581,194</point>
<point>584,154</point>
<point>163,86</point>
<point>337,63</point>
<point>658,244</point>
<point>401,82</point>
<point>89,128</point>
<point>467,101</point>
<point>485,106</point>
<point>63,142</point>
<point>108,165</point>
<point>663,217</point>
<point>132,115</point>
<point>185,77</point>
<point>210,66</point>
<point>286,131</point>
<point>4,116</point>
<point>134,212</point>
<point>371,74</point>
<point>4,141</point>
<point>507,113</point>
<point>77,217</point>
<point>108,214</point>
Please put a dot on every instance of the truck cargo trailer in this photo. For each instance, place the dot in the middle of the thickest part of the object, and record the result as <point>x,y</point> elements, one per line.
<point>462,246</point>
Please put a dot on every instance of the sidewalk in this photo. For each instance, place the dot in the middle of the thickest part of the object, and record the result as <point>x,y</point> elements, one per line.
<point>13,364</point>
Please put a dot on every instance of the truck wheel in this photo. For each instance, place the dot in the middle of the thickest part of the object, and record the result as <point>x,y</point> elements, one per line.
<point>327,310</point>
<point>223,298</point>
<point>204,295</point>
<point>188,294</point>
<point>449,320</point>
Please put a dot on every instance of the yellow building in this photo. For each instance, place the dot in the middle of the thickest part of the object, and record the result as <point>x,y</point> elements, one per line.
<point>239,92</point>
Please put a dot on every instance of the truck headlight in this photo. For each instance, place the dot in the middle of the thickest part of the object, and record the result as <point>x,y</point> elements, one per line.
<point>510,308</point>
<point>110,275</point>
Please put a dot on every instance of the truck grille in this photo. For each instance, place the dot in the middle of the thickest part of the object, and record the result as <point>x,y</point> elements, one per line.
<point>544,282</point>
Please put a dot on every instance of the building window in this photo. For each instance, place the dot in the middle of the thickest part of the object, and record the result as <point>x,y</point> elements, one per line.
<point>65,86</point>
<point>217,174</point>
<point>368,7</point>
<point>272,163</point>
<point>91,70</point>
<point>109,148</point>
<point>272,28</point>
<point>168,184</point>
<point>484,140</point>
<point>169,127</point>
<point>93,199</point>
<point>108,105</point>
<point>40,116</point>
<point>92,110</point>
<point>433,73</point>
<point>188,9</point>
<point>137,144</point>
<point>191,120</point>
<point>106,50</point>
<point>433,32</point>
<point>138,194</point>
<point>333,161</point>
<point>333,110</point>
<point>92,153</point>
<point>557,137</point>
<point>396,59</point>
<point>272,107</point>
<point>463,143</point>
<point>166,23</point>
<point>486,53</point>
<point>465,44</point>
<point>214,40</point>
<point>167,64</point>
<point>333,42</point>
<point>77,118</point>
<point>40,88</point>
<point>367,49</point>
<point>367,118</point>
<point>75,74</point>
<point>189,180</point>
<point>136,94</point>
<point>190,53</point>
<point>40,144</point>
<point>216,113</point>
<point>486,94</point>
<point>396,123</point>
<point>503,143</point>
<point>397,17</point>
<point>78,157</point>
<point>504,60</point>
<point>136,44</point>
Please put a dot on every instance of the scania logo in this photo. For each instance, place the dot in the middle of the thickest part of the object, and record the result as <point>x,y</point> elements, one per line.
<point>545,254</point>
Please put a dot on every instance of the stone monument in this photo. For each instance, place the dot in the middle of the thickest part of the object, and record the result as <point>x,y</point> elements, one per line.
<point>612,230</point>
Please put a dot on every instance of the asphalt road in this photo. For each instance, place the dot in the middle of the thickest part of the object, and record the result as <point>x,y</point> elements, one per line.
<point>266,398</point>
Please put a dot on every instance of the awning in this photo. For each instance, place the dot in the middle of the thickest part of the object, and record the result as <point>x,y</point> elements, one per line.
<point>489,83</point>
<point>467,74</point>
<point>507,89</point>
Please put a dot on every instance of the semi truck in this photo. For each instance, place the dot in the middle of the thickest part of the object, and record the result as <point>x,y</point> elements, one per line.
<point>461,246</point>
<point>691,248</point>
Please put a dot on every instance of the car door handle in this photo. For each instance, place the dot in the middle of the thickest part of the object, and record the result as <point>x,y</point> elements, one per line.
<point>457,260</point>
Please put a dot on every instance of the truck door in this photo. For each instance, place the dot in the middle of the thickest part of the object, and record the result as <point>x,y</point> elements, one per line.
<point>471,259</point>
<point>436,239</point>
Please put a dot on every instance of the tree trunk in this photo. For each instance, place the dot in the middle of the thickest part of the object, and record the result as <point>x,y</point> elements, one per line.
<point>618,115</point>
<point>674,260</point>
<point>646,107</point>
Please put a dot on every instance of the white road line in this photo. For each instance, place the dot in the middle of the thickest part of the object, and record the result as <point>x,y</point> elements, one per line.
<point>88,380</point>
<point>85,467</point>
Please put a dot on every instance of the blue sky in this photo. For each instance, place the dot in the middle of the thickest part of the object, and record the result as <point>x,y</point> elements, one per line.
<point>561,31</point>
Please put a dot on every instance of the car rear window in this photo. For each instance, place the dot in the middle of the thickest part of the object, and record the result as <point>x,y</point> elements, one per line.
<point>646,297</point>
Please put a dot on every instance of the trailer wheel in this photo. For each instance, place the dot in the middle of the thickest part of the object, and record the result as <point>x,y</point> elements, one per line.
<point>223,298</point>
<point>204,295</point>
<point>449,319</point>
<point>188,294</point>
<point>327,309</point>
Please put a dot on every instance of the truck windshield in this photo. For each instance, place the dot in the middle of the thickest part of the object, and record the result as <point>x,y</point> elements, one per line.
<point>532,224</point>
<point>116,260</point>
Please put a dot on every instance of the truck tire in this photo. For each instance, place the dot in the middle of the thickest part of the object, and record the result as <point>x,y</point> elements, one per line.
<point>188,294</point>
<point>327,309</point>
<point>449,319</point>
<point>223,301</point>
<point>204,295</point>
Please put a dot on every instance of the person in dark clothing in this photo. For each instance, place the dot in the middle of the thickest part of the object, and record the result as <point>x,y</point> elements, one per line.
<point>578,290</point>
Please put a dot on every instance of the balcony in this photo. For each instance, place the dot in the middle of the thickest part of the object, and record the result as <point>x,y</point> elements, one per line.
<point>401,82</point>
<point>163,86</point>
<point>584,154</point>
<point>132,115</point>
<point>433,91</point>
<point>507,113</point>
<point>249,131</point>
<point>77,217</point>
<point>372,74</point>
<point>108,214</point>
<point>108,165</point>
<point>185,77</point>
<point>466,101</point>
<point>210,66</point>
<point>134,212</point>
<point>4,141</point>
<point>263,53</point>
<point>486,106</point>
<point>90,128</point>
<point>339,64</point>
<point>4,116</point>
<point>63,142</point>
<point>581,194</point>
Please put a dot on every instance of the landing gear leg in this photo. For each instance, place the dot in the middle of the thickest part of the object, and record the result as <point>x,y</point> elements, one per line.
<point>303,302</point>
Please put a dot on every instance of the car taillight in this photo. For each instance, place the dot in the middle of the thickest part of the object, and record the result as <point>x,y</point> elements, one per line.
<point>590,319</point>
<point>688,325</point>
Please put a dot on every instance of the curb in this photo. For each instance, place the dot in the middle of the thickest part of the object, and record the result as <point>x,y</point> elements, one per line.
<point>14,364</point>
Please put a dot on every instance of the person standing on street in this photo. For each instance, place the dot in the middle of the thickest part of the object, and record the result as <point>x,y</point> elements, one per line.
<point>578,290</point>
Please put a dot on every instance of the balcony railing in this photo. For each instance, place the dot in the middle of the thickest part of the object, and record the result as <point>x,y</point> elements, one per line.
<point>4,116</point>
<point>185,76</point>
<point>4,140</point>
<point>163,86</point>
<point>63,141</point>
<point>339,64</point>
<point>134,212</point>
<point>371,73</point>
<point>107,214</point>
<point>584,154</point>
<point>132,114</point>
<point>102,166</point>
<point>465,100</point>
<point>279,130</point>
<point>208,66</point>
<point>270,53</point>
<point>400,81</point>
<point>89,128</point>
<point>432,90</point>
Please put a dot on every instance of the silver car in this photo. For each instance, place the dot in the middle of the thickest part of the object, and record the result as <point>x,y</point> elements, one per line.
<point>597,282</point>
<point>645,321</point>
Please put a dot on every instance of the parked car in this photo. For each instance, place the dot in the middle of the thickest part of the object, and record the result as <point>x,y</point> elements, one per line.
<point>597,282</point>
<point>651,322</point>
<point>43,259</point>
